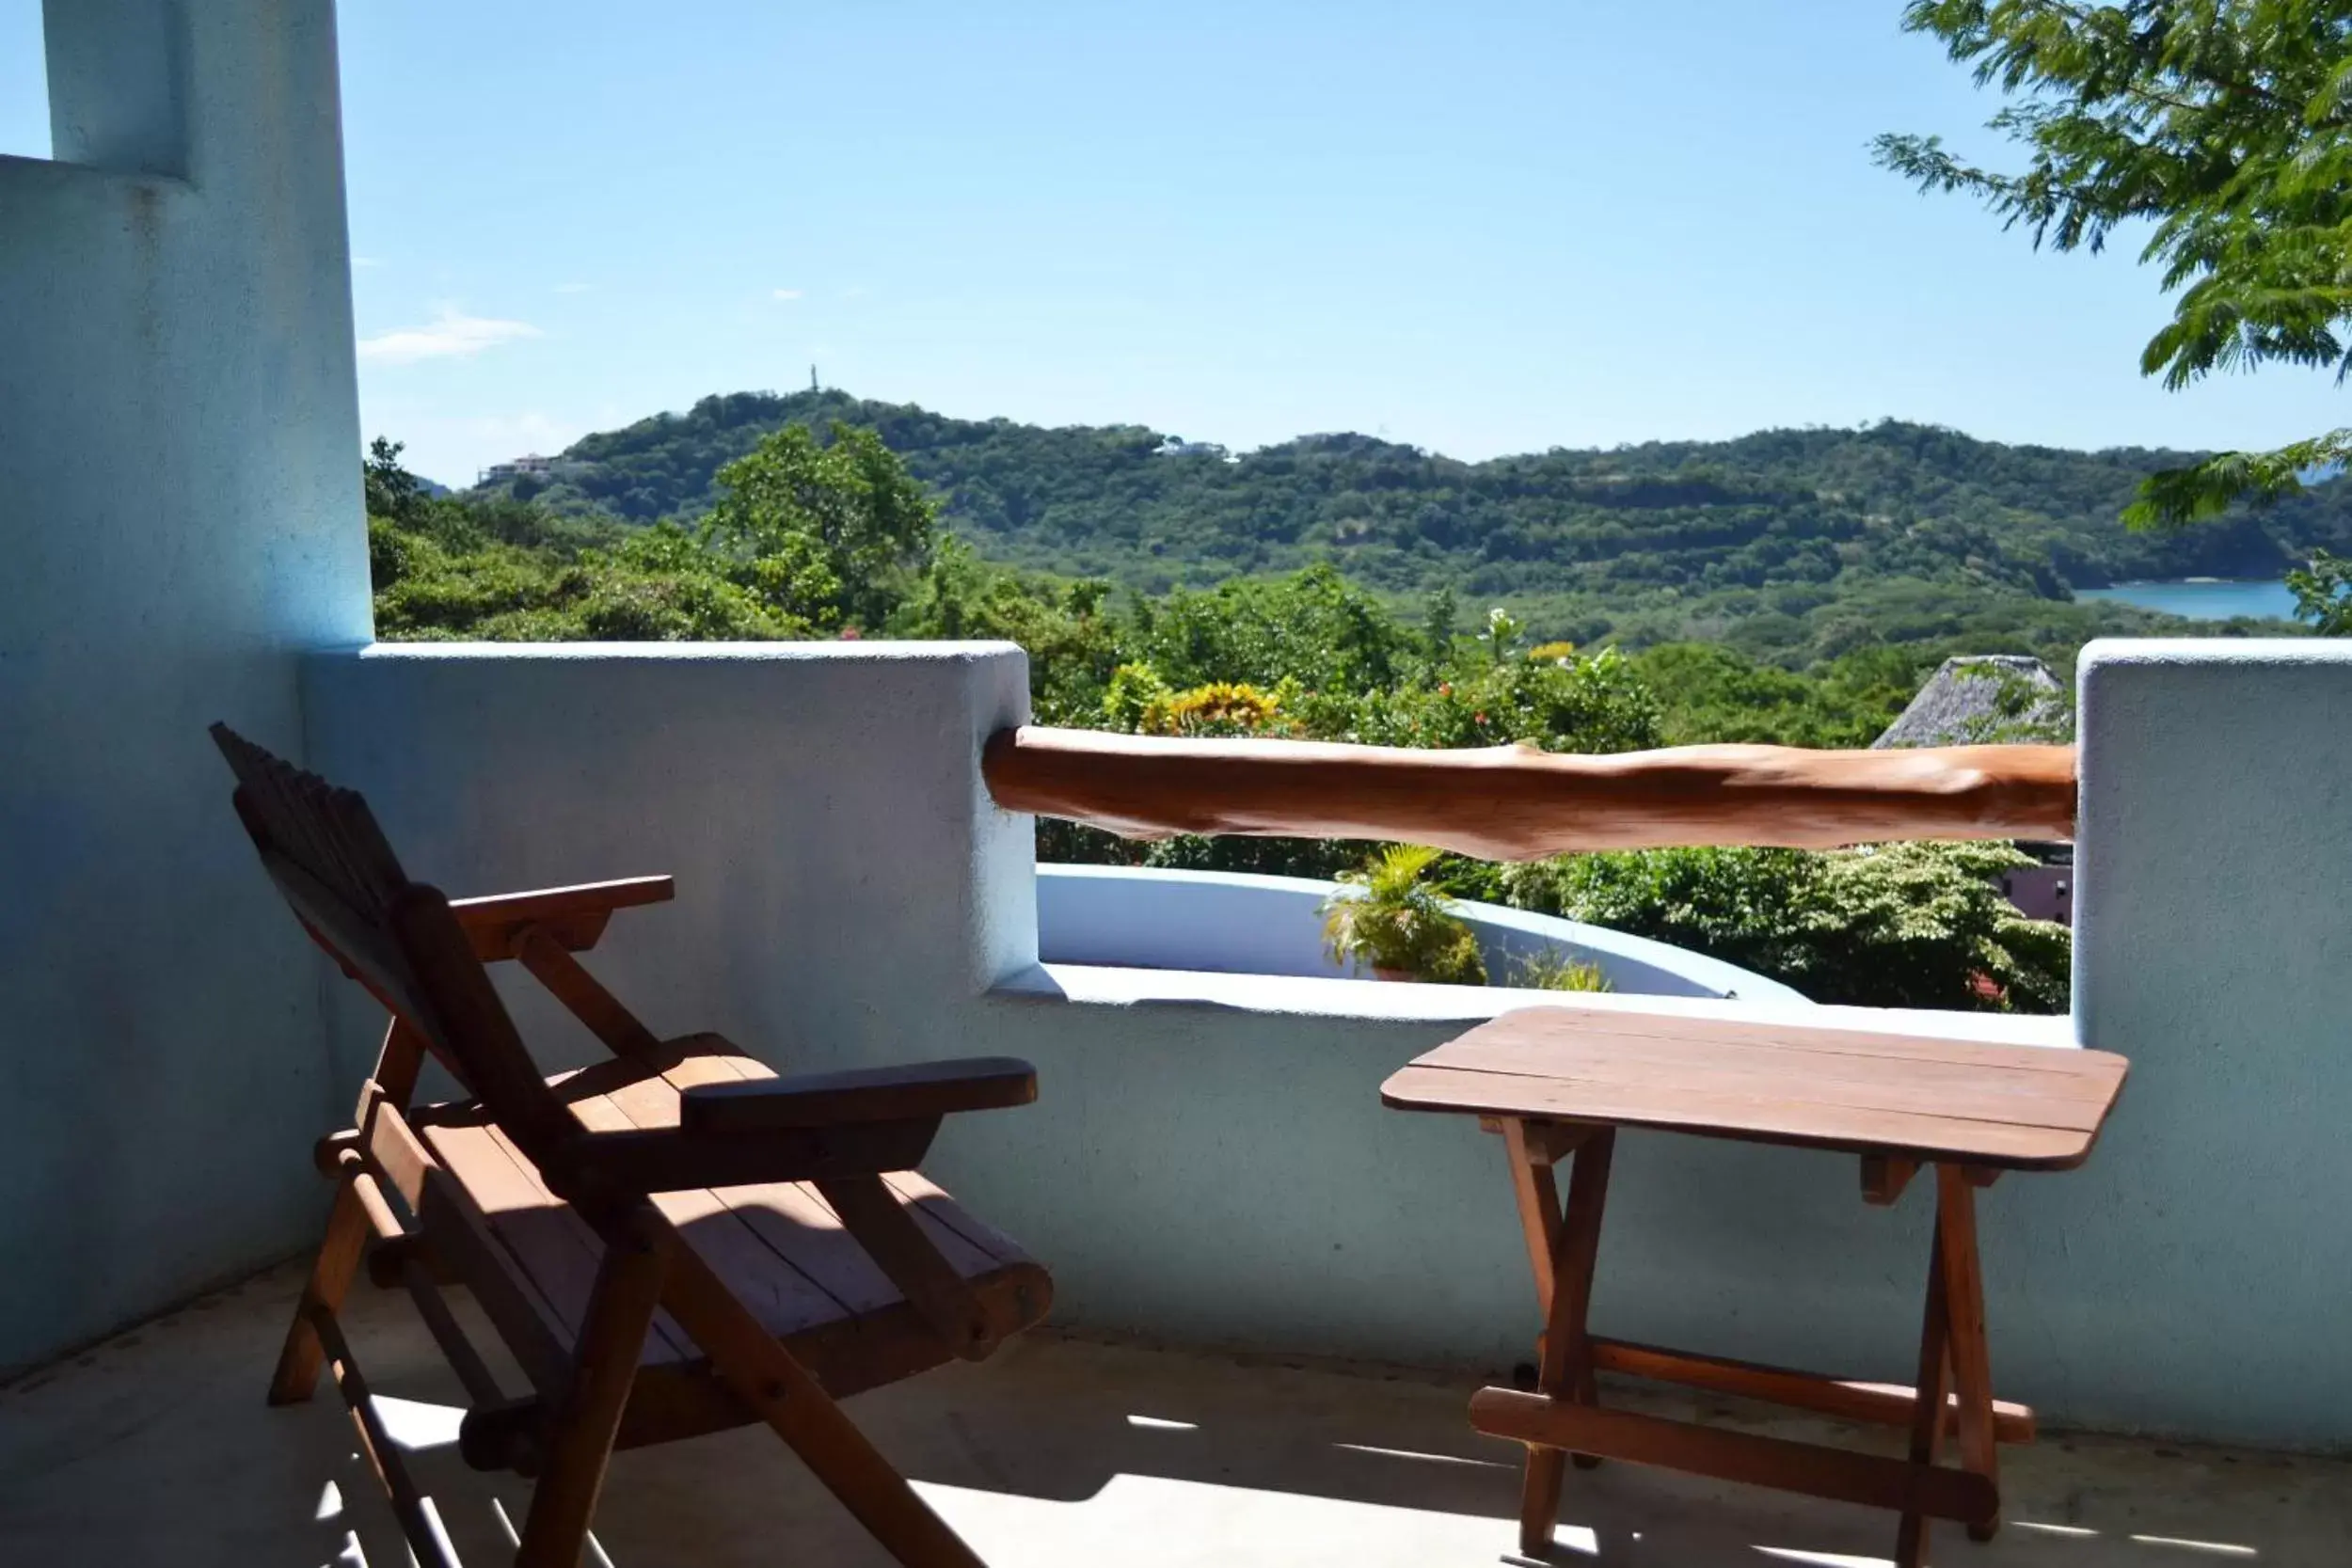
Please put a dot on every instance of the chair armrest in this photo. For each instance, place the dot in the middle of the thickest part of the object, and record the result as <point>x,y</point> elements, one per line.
<point>598,1166</point>
<point>922,1091</point>
<point>574,916</point>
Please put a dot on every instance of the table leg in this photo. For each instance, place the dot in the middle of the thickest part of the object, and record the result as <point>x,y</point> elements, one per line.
<point>1566,1369</point>
<point>1971,1361</point>
<point>1927,1419</point>
<point>1539,1206</point>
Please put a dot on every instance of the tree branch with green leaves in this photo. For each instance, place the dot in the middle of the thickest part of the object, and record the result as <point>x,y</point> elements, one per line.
<point>2226,125</point>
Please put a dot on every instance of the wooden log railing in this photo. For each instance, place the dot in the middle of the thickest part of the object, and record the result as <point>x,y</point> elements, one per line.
<point>1516,802</point>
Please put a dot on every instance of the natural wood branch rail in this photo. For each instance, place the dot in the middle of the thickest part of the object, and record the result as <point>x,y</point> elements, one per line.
<point>1516,802</point>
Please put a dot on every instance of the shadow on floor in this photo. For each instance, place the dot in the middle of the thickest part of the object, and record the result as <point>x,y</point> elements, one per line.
<point>157,1448</point>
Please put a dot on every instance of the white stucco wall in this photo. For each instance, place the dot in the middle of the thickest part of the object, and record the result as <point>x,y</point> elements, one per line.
<point>1210,1159</point>
<point>2213,946</point>
<point>1240,923</point>
<point>179,518</point>
<point>845,886</point>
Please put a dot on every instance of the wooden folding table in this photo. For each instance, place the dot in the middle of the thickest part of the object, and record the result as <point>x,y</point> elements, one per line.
<point>1557,1084</point>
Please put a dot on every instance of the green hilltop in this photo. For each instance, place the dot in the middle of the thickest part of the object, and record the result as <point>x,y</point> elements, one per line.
<point>1795,545</point>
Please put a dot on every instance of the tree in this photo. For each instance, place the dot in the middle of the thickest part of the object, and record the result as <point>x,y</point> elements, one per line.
<point>835,533</point>
<point>809,540</point>
<point>1709,693</point>
<point>2323,593</point>
<point>1072,643</point>
<point>1438,612</point>
<point>392,490</point>
<point>2227,125</point>
<point>1887,926</point>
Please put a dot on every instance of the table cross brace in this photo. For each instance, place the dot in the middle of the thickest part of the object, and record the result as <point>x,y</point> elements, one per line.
<point>1562,1416</point>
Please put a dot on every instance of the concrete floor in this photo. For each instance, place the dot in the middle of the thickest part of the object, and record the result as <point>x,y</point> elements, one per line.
<point>156,1448</point>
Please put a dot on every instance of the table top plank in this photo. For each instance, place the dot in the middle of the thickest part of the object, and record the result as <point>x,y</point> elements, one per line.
<point>1744,1116</point>
<point>1544,1021</point>
<point>2020,1107</point>
<point>1968,1091</point>
<point>2017,1069</point>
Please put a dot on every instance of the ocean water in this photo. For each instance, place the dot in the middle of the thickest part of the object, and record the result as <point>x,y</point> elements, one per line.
<point>2202,598</point>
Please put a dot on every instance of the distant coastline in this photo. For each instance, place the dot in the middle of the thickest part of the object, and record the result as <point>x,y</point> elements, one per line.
<point>2203,598</point>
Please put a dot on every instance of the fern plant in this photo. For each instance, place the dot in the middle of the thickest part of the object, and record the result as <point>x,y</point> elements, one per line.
<point>1394,917</point>
<point>1559,969</point>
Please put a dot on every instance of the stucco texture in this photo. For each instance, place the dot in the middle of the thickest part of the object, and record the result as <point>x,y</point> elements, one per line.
<point>181,518</point>
<point>2214,948</point>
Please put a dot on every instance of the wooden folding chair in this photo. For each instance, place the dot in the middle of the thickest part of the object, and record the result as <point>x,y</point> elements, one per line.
<point>669,1242</point>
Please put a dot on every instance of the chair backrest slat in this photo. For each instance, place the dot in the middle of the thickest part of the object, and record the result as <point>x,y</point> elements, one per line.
<point>399,938</point>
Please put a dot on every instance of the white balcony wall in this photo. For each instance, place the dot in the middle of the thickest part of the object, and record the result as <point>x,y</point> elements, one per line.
<point>846,888</point>
<point>1210,1160</point>
<point>179,519</point>
<point>2213,946</point>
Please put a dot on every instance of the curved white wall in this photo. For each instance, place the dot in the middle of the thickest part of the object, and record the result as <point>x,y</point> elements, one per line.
<point>1233,923</point>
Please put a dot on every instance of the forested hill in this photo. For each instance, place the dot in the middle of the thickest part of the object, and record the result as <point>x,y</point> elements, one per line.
<point>1809,515</point>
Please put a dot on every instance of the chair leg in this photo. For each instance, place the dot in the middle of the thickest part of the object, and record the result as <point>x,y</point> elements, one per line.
<point>302,1357</point>
<point>604,1367</point>
<point>419,1522</point>
<point>763,1375</point>
<point>1972,1366</point>
<point>1566,1369</point>
<point>347,1232</point>
<point>1931,1386</point>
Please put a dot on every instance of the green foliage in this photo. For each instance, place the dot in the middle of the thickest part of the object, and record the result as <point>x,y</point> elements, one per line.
<point>654,585</point>
<point>659,585</point>
<point>1795,547</point>
<point>807,540</point>
<point>2208,489</point>
<point>1571,703</point>
<point>392,490</point>
<point>1313,628</point>
<point>2222,125</point>
<point>1312,655</point>
<point>1708,692</point>
<point>2323,593</point>
<point>2021,710</point>
<point>1889,926</point>
<point>1557,969</point>
<point>1391,915</point>
<point>828,534</point>
<point>1073,643</point>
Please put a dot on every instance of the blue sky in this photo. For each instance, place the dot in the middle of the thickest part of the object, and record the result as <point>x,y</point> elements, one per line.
<point>1480,228</point>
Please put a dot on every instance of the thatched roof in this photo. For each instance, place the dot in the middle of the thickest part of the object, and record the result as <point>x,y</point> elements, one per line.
<point>1983,699</point>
